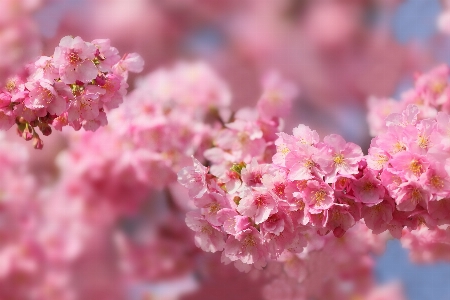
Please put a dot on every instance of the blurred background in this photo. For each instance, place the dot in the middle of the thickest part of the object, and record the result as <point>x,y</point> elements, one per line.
<point>339,53</point>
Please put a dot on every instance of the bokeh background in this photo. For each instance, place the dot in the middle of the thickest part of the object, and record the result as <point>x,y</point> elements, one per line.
<point>339,53</point>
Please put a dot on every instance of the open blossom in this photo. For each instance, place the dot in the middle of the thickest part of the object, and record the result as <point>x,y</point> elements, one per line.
<point>75,86</point>
<point>258,204</point>
<point>74,58</point>
<point>302,163</point>
<point>207,237</point>
<point>194,179</point>
<point>276,100</point>
<point>368,189</point>
<point>337,156</point>
<point>318,196</point>
<point>246,247</point>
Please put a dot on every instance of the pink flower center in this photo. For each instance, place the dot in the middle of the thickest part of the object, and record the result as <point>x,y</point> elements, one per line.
<point>255,178</point>
<point>300,204</point>
<point>260,201</point>
<point>73,58</point>
<point>279,189</point>
<point>214,208</point>
<point>438,87</point>
<point>368,186</point>
<point>48,96</point>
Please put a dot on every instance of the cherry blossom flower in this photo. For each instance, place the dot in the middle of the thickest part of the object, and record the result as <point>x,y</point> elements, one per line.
<point>72,87</point>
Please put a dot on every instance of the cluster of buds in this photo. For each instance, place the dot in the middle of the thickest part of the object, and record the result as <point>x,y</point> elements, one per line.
<point>75,87</point>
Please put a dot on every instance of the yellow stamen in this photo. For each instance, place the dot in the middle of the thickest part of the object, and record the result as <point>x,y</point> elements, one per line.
<point>423,142</point>
<point>283,150</point>
<point>381,160</point>
<point>398,147</point>
<point>437,182</point>
<point>416,167</point>
<point>319,196</point>
<point>339,159</point>
<point>309,164</point>
<point>10,85</point>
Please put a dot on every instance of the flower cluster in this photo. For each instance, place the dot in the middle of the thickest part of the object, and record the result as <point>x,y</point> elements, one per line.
<point>344,265</point>
<point>170,116</point>
<point>431,94</point>
<point>427,245</point>
<point>255,210</point>
<point>75,86</point>
<point>411,160</point>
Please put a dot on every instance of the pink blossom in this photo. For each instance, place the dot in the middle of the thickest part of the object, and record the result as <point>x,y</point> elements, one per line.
<point>306,135</point>
<point>43,95</point>
<point>211,204</point>
<point>368,189</point>
<point>276,100</point>
<point>337,156</point>
<point>411,194</point>
<point>257,204</point>
<point>302,163</point>
<point>194,179</point>
<point>408,117</point>
<point>132,62</point>
<point>395,140</point>
<point>435,180</point>
<point>339,219</point>
<point>285,143</point>
<point>246,247</point>
<point>318,196</point>
<point>74,58</point>
<point>408,165</point>
<point>377,217</point>
<point>207,237</point>
<point>233,223</point>
<point>253,173</point>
